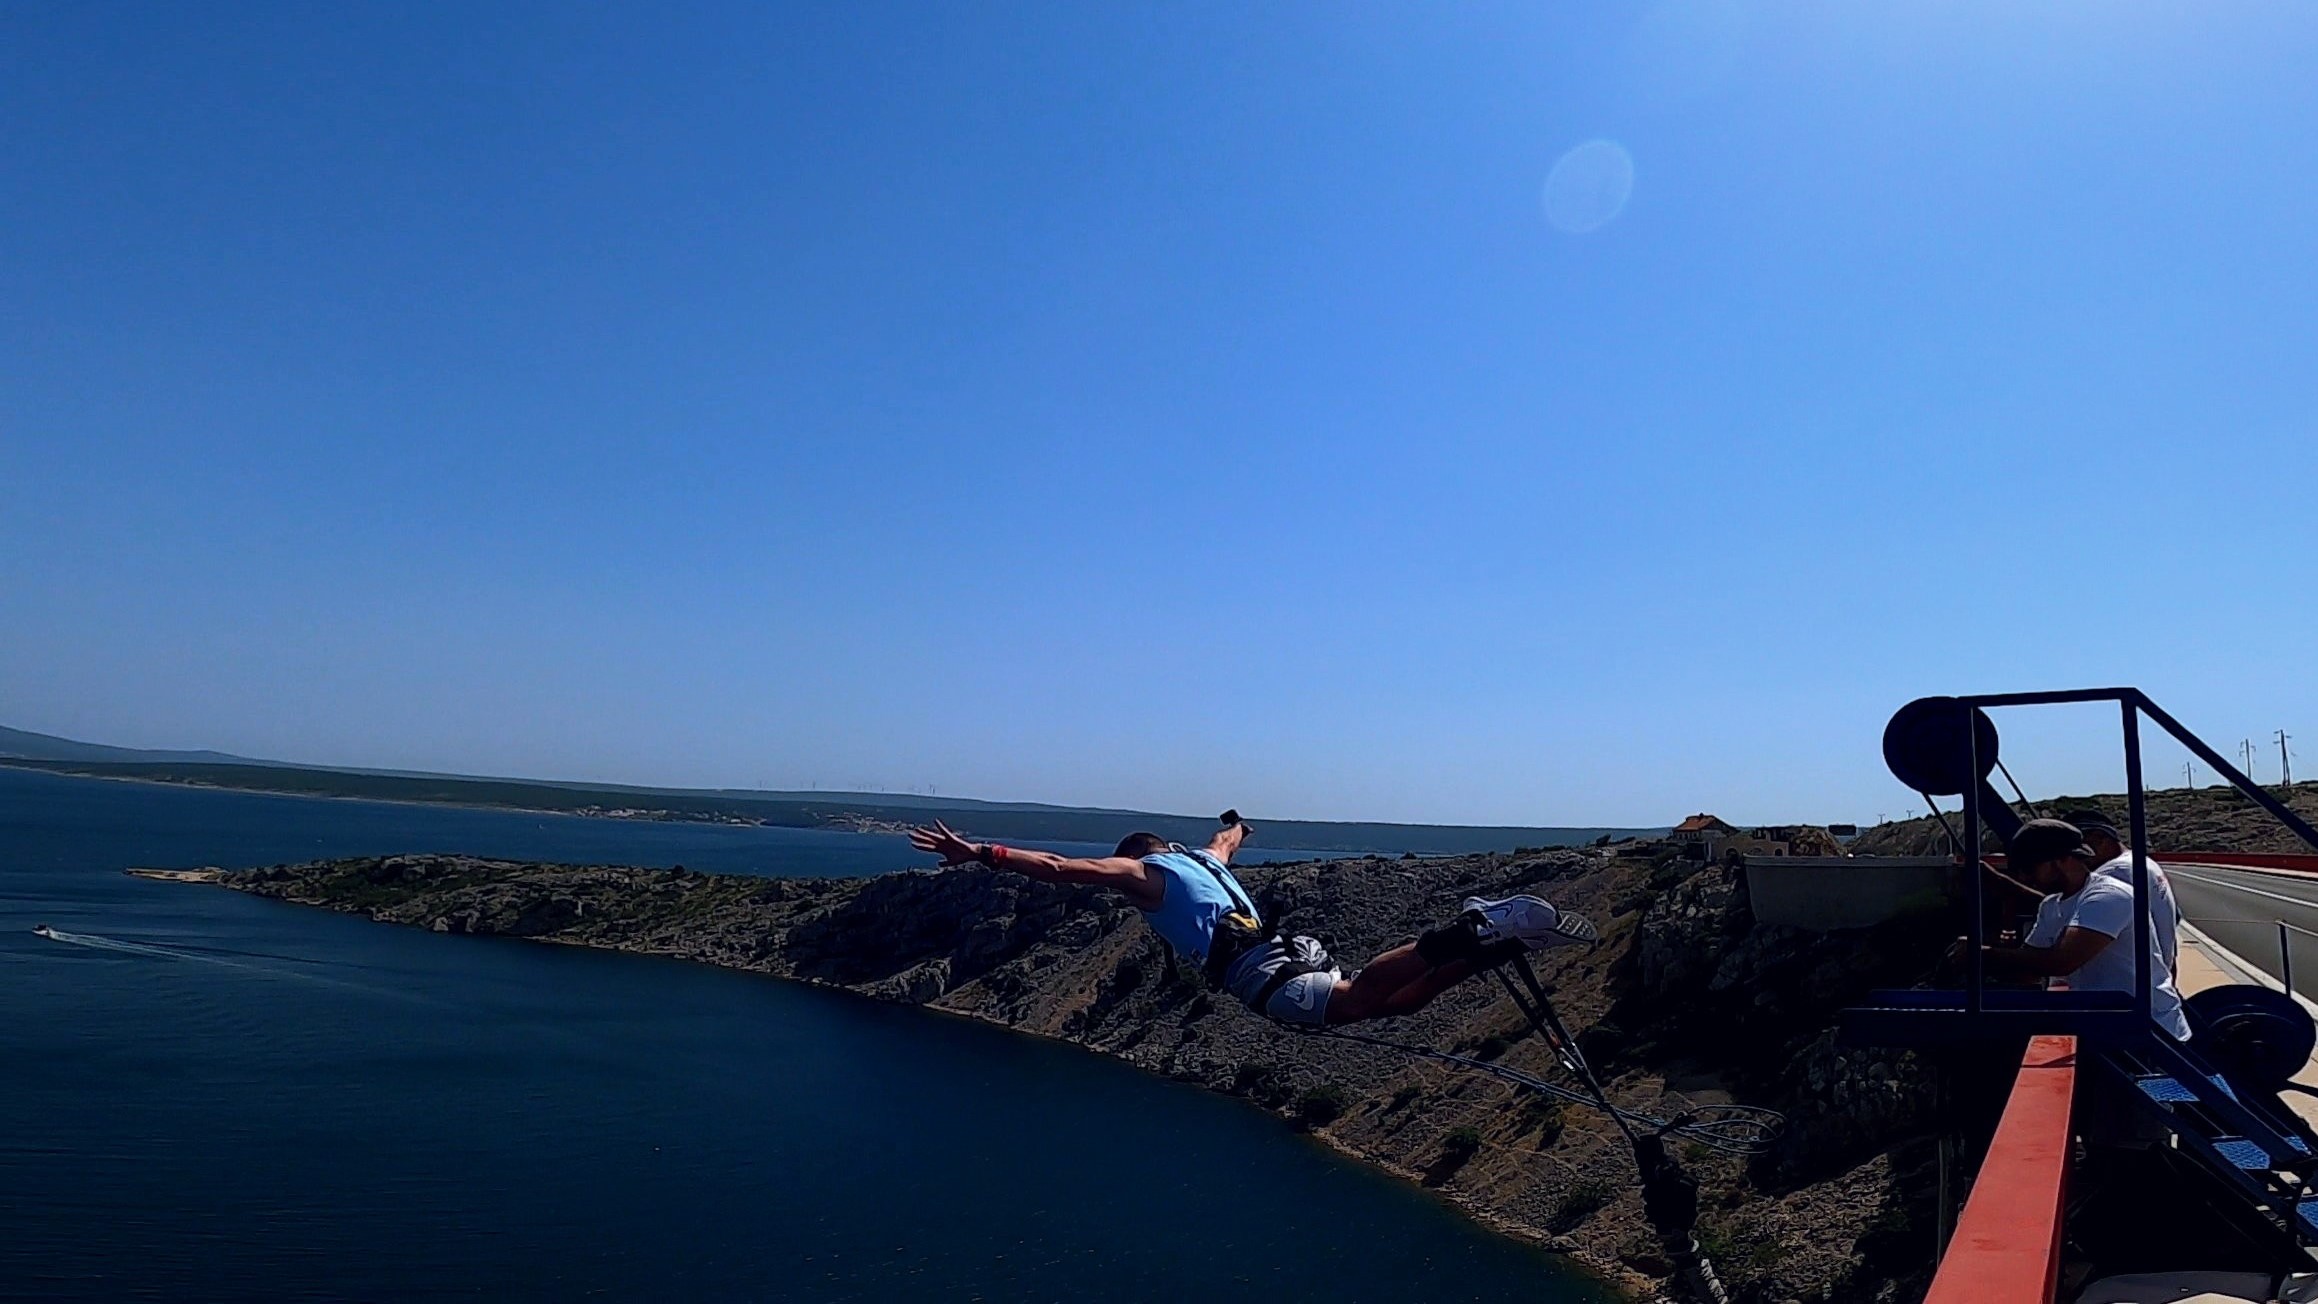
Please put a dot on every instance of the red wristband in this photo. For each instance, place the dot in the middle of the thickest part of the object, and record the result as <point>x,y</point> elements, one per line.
<point>997,855</point>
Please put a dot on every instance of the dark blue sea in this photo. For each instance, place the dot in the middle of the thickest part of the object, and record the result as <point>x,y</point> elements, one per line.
<point>205,1096</point>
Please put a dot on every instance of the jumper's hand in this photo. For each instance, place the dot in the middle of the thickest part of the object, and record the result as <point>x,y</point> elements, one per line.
<point>953,849</point>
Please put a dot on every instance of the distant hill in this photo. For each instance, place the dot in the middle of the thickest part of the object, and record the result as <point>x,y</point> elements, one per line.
<point>26,745</point>
<point>2213,818</point>
<point>860,811</point>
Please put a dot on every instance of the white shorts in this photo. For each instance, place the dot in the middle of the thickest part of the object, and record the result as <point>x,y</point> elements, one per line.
<point>1301,999</point>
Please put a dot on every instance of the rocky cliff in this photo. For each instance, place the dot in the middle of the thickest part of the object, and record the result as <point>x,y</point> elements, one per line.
<point>1688,999</point>
<point>2213,818</point>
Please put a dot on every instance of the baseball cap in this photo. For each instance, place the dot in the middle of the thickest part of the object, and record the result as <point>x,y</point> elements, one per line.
<point>2041,840</point>
<point>2090,821</point>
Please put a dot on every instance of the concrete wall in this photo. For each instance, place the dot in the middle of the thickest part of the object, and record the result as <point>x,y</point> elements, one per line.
<point>1822,893</point>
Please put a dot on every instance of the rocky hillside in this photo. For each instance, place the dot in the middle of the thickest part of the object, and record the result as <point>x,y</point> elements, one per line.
<point>1687,999</point>
<point>2180,819</point>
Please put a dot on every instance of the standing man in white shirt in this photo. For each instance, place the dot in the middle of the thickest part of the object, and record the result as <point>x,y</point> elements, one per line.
<point>2117,859</point>
<point>2078,927</point>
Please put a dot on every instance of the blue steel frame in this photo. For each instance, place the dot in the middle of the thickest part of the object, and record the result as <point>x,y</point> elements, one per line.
<point>1923,1017</point>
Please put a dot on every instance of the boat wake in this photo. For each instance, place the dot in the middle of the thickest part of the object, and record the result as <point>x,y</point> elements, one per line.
<point>120,947</point>
<point>97,943</point>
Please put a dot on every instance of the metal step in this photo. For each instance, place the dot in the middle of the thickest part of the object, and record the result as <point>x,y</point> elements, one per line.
<point>2163,1089</point>
<point>2247,1155</point>
<point>2168,1090</point>
<point>2215,1124</point>
<point>2306,1214</point>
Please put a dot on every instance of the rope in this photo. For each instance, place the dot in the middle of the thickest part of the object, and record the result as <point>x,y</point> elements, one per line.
<point>1669,1197</point>
<point>1730,1129</point>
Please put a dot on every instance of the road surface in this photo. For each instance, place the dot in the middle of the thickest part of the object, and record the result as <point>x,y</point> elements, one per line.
<point>2241,908</point>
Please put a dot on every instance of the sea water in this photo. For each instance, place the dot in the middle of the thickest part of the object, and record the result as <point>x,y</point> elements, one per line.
<point>205,1095</point>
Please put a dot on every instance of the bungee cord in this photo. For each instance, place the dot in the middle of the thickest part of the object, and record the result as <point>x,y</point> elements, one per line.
<point>1669,1196</point>
<point>1729,1129</point>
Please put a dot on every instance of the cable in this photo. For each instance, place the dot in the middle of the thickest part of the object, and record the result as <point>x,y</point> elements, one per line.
<point>2032,810</point>
<point>1945,827</point>
<point>1729,1129</point>
<point>1547,1024</point>
<point>1669,1197</point>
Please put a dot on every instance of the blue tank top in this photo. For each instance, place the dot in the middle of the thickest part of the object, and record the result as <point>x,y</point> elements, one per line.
<point>1199,891</point>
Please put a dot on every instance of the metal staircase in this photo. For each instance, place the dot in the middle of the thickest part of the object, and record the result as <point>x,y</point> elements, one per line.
<point>2240,1135</point>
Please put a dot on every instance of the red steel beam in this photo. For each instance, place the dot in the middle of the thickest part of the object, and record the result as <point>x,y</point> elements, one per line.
<point>2006,1249</point>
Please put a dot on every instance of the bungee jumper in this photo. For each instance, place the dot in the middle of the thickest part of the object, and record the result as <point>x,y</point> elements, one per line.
<point>1209,921</point>
<point>1197,906</point>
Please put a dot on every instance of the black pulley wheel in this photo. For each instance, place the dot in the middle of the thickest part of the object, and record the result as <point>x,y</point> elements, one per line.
<point>2255,1035</point>
<point>1926,748</point>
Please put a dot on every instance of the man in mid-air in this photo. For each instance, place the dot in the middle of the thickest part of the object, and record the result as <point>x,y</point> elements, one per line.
<point>1194,902</point>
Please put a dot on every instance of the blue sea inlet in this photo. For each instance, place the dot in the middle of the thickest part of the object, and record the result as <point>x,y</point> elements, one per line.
<point>209,1096</point>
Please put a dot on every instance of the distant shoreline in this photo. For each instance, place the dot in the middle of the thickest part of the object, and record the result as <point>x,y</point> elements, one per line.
<point>846,813</point>
<point>33,767</point>
<point>512,808</point>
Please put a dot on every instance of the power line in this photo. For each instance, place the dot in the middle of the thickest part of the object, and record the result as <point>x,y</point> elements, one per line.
<point>2285,758</point>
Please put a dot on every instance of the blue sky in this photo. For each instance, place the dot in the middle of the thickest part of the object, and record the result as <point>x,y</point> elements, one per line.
<point>1172,407</point>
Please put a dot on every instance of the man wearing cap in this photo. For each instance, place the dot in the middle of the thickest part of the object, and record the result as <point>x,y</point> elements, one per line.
<point>2117,860</point>
<point>2090,908</point>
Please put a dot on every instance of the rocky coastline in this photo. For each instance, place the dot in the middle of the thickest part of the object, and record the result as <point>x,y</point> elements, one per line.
<point>1687,999</point>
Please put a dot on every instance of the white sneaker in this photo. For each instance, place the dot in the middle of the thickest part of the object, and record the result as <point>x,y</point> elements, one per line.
<point>1533,921</point>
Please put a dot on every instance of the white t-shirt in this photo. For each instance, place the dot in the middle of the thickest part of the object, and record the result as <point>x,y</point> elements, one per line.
<point>2168,915</point>
<point>2105,905</point>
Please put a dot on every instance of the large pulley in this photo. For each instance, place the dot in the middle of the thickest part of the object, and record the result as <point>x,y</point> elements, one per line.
<point>1940,748</point>
<point>2257,1037</point>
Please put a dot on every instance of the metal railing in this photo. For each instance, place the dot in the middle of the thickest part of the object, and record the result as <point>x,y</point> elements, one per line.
<point>2132,704</point>
<point>2285,932</point>
<point>2007,1246</point>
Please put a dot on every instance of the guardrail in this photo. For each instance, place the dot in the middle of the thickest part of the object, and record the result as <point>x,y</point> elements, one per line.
<point>2006,1249</point>
<point>2224,859</point>
<point>2242,860</point>
<point>2285,932</point>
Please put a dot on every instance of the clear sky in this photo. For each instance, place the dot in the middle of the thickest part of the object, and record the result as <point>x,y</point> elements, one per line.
<point>1172,406</point>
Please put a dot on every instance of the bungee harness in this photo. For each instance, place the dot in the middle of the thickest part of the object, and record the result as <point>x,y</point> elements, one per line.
<point>1240,931</point>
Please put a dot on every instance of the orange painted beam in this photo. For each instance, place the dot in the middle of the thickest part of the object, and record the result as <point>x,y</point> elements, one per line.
<point>2006,1249</point>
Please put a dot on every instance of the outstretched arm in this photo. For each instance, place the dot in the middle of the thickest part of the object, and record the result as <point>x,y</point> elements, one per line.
<point>1227,841</point>
<point>1129,876</point>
